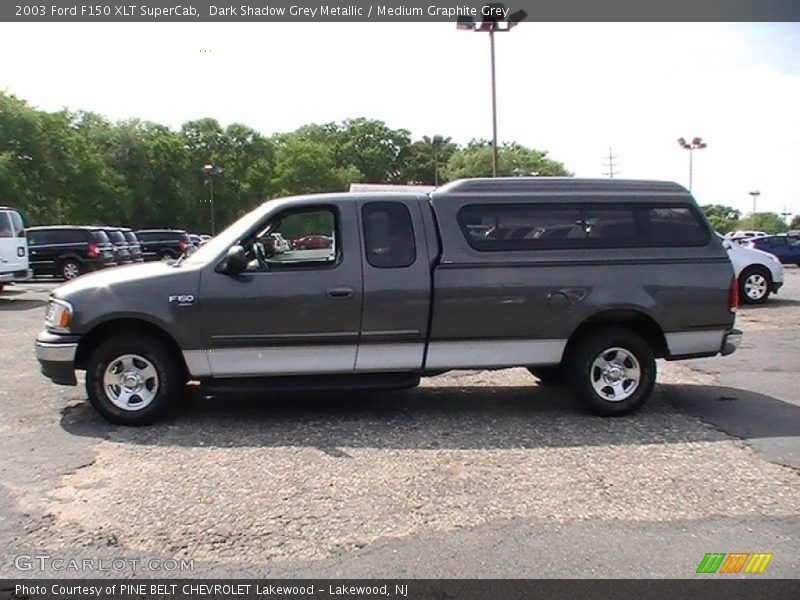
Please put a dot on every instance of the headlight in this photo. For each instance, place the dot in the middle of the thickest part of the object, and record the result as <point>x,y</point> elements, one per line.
<point>59,316</point>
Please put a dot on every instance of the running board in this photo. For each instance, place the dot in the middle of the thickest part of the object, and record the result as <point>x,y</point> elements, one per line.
<point>305,383</point>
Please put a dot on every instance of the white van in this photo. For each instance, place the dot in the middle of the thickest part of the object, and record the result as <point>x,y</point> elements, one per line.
<point>13,247</point>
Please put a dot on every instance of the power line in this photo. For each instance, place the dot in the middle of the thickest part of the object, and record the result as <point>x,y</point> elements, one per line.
<point>610,164</point>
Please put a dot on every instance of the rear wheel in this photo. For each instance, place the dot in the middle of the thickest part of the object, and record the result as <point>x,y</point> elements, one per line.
<point>612,371</point>
<point>70,269</point>
<point>754,285</point>
<point>132,380</point>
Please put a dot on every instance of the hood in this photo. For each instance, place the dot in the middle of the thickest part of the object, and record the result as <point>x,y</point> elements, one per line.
<point>115,276</point>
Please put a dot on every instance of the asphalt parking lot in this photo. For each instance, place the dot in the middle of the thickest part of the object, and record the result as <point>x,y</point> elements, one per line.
<point>474,474</point>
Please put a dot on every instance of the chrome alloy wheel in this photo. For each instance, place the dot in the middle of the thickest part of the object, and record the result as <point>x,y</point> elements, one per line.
<point>130,382</point>
<point>71,270</point>
<point>755,286</point>
<point>615,374</point>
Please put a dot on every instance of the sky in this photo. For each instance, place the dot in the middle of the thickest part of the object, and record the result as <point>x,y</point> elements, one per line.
<point>572,89</point>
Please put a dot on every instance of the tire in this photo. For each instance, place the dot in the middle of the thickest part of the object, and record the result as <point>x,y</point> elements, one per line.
<point>554,375</point>
<point>70,269</point>
<point>155,379</point>
<point>614,390</point>
<point>758,281</point>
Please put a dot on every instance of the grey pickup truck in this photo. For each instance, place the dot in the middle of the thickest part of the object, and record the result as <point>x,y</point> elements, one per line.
<point>584,282</point>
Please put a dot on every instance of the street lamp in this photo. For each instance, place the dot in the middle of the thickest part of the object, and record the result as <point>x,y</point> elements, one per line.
<point>696,144</point>
<point>755,194</point>
<point>210,172</point>
<point>492,23</point>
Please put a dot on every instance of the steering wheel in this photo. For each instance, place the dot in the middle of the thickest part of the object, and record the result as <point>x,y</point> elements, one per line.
<point>261,254</point>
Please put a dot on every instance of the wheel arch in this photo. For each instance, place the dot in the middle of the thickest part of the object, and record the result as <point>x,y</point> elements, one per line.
<point>633,319</point>
<point>122,326</point>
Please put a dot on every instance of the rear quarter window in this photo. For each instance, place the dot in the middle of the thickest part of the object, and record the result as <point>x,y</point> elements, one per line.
<point>100,237</point>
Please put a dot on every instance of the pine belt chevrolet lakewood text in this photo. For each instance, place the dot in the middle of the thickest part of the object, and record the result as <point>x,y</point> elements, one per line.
<point>582,281</point>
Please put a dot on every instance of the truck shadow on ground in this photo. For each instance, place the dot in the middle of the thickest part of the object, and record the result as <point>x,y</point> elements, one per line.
<point>14,304</point>
<point>773,302</point>
<point>476,417</point>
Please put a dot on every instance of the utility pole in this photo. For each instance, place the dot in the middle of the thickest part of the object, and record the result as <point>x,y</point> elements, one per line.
<point>785,214</point>
<point>610,164</point>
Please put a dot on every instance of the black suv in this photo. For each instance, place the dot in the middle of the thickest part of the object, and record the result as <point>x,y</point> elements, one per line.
<point>122,251</point>
<point>133,244</point>
<point>68,251</point>
<point>160,244</point>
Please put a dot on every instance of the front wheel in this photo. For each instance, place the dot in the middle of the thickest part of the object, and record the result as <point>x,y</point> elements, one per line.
<point>132,380</point>
<point>613,371</point>
<point>754,285</point>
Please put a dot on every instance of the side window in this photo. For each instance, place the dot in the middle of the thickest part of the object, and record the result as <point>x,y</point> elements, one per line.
<point>17,225</point>
<point>388,235</point>
<point>6,231</point>
<point>509,227</point>
<point>302,238</point>
<point>676,225</point>
<point>519,227</point>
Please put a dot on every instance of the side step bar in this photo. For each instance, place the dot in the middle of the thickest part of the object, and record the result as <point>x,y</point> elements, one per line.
<point>302,383</point>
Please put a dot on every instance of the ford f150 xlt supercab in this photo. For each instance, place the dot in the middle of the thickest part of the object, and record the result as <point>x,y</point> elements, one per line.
<point>581,281</point>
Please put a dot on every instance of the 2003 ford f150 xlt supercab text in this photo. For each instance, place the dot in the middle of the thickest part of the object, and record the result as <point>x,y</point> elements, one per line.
<point>582,281</point>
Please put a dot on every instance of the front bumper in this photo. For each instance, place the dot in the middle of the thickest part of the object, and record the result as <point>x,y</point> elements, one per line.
<point>56,356</point>
<point>731,341</point>
<point>776,285</point>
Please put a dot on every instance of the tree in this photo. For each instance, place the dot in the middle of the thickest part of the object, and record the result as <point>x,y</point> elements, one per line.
<point>425,160</point>
<point>795,224</point>
<point>765,221</point>
<point>722,218</point>
<point>306,167</point>
<point>514,160</point>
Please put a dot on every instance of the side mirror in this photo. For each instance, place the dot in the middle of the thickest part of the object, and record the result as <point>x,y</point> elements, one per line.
<point>727,244</point>
<point>234,262</point>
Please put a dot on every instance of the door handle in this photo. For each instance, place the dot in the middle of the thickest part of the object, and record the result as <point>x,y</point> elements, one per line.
<point>341,292</point>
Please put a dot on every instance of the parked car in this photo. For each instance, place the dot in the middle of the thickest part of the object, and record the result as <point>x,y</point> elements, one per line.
<point>68,251</point>
<point>758,273</point>
<point>413,288</point>
<point>134,246</point>
<point>120,244</point>
<point>161,244</point>
<point>739,236</point>
<point>312,242</point>
<point>14,259</point>
<point>786,248</point>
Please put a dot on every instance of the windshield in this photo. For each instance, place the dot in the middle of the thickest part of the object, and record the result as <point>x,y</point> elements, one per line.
<point>225,239</point>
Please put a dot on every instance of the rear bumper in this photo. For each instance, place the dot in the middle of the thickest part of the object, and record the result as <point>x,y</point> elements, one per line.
<point>16,276</point>
<point>56,356</point>
<point>731,342</point>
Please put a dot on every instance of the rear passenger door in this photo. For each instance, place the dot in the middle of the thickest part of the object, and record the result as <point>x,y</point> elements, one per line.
<point>397,287</point>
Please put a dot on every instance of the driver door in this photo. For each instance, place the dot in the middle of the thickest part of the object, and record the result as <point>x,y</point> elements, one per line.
<point>297,307</point>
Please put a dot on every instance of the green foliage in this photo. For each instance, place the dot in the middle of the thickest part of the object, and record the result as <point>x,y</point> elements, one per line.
<point>80,168</point>
<point>722,218</point>
<point>765,221</point>
<point>795,224</point>
<point>513,160</point>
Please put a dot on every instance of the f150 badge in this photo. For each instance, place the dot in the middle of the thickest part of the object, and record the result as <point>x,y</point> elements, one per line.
<point>182,299</point>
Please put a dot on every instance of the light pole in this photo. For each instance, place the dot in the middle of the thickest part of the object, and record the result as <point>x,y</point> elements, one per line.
<point>755,194</point>
<point>492,23</point>
<point>210,172</point>
<point>696,144</point>
<point>436,142</point>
